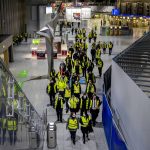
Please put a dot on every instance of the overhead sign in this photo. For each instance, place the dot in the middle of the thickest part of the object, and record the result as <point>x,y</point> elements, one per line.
<point>75,14</point>
<point>48,10</point>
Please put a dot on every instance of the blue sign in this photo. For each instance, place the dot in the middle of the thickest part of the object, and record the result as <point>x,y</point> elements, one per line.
<point>115,11</point>
<point>114,140</point>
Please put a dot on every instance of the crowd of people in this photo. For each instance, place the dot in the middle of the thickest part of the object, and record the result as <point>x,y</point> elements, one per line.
<point>65,87</point>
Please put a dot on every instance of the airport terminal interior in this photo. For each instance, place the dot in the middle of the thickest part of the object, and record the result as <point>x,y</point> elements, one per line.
<point>74,75</point>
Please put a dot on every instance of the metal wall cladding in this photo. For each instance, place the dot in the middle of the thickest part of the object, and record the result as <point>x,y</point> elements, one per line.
<point>123,8</point>
<point>129,7</point>
<point>140,8</point>
<point>147,9</point>
<point>12,16</point>
<point>134,8</point>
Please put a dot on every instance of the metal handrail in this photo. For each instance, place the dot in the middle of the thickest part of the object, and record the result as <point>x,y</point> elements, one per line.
<point>15,81</point>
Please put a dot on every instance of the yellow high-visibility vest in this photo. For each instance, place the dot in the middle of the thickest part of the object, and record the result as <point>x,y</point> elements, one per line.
<point>72,124</point>
<point>88,104</point>
<point>90,88</point>
<point>76,88</point>
<point>100,63</point>
<point>67,93</point>
<point>61,85</point>
<point>73,102</point>
<point>85,121</point>
<point>56,101</point>
<point>98,53</point>
<point>11,125</point>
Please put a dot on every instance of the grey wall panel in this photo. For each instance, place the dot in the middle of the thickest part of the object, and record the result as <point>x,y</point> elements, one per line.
<point>43,17</point>
<point>31,13</point>
<point>12,16</point>
<point>132,107</point>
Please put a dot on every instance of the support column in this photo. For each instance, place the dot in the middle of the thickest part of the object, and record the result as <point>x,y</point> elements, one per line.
<point>49,47</point>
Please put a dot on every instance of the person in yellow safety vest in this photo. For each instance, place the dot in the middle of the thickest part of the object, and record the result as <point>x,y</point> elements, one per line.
<point>62,76</point>
<point>61,85</point>
<point>84,39</point>
<point>77,89</point>
<point>73,103</point>
<point>110,46</point>
<point>85,47</point>
<point>4,127</point>
<point>76,46</point>
<point>85,121</point>
<point>80,38</point>
<point>12,129</point>
<point>98,54</point>
<point>71,51</point>
<point>51,91</point>
<point>85,104</point>
<point>53,75</point>
<point>90,66</point>
<point>104,47</point>
<point>76,37</point>
<point>96,102</point>
<point>69,63</point>
<point>59,101</point>
<point>84,66</point>
<point>67,96</point>
<point>77,67</point>
<point>72,125</point>
<point>95,36</point>
<point>84,32</point>
<point>100,66</point>
<point>90,76</point>
<point>90,89</point>
<point>90,37</point>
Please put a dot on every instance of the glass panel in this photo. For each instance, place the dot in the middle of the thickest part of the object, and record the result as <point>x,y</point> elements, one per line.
<point>17,115</point>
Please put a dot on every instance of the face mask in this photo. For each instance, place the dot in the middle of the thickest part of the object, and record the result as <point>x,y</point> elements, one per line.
<point>84,114</point>
<point>84,96</point>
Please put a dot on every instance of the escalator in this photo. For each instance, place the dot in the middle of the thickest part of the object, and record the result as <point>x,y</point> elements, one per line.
<point>135,61</point>
<point>21,127</point>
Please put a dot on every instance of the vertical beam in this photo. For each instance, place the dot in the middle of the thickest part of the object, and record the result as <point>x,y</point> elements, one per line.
<point>49,47</point>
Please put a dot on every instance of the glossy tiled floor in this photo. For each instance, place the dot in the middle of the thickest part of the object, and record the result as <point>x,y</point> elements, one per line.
<point>35,89</point>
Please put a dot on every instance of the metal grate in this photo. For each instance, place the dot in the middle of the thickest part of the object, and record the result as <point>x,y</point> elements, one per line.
<point>135,61</point>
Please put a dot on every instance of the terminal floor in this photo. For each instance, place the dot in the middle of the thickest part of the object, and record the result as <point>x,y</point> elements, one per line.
<point>35,89</point>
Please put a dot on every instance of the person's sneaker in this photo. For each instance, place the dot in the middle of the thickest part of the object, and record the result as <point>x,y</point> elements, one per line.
<point>88,139</point>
